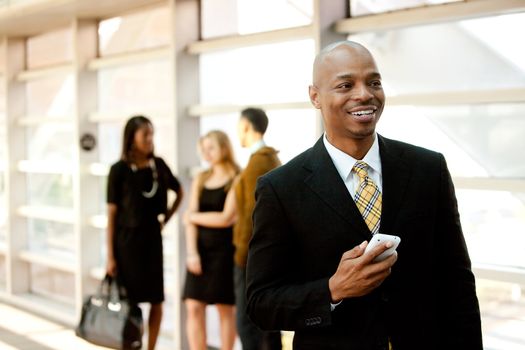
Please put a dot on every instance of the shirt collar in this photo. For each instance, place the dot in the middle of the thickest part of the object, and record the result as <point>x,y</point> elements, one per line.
<point>344,162</point>
<point>257,146</point>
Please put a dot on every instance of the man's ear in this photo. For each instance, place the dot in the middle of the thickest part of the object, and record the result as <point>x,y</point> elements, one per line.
<point>314,96</point>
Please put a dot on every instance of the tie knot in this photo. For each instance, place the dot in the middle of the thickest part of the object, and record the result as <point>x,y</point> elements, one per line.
<point>360,169</point>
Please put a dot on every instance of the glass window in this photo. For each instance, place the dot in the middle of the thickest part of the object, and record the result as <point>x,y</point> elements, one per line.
<point>52,283</point>
<point>140,30</point>
<point>134,89</point>
<point>110,141</point>
<point>50,48</point>
<point>368,7</point>
<point>477,140</point>
<point>283,132</point>
<point>51,142</point>
<point>502,312</point>
<point>231,17</point>
<point>3,271</point>
<point>260,74</point>
<point>2,63</point>
<point>3,166</point>
<point>490,220</point>
<point>50,190</point>
<point>53,238</point>
<point>425,59</point>
<point>50,97</point>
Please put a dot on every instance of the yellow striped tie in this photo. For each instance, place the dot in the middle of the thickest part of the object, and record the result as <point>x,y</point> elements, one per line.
<point>368,197</point>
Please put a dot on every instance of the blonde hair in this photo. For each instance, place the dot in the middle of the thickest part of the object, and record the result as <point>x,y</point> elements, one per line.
<point>227,160</point>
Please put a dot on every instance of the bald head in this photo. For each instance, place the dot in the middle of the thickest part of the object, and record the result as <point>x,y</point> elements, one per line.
<point>328,50</point>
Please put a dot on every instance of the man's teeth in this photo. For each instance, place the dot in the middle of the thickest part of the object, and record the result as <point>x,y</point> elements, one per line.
<point>368,111</point>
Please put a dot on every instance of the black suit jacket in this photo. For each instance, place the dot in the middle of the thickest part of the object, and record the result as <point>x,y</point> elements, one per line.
<point>305,219</point>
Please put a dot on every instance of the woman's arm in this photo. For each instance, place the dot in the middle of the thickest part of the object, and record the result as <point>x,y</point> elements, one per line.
<point>193,261</point>
<point>111,264</point>
<point>176,203</point>
<point>217,219</point>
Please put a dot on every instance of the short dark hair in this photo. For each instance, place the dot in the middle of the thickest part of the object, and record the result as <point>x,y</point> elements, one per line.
<point>257,118</point>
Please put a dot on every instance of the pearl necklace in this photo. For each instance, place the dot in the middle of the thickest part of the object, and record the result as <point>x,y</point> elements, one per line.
<point>155,185</point>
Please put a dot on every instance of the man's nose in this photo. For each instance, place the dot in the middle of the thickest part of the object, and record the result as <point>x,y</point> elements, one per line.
<point>362,93</point>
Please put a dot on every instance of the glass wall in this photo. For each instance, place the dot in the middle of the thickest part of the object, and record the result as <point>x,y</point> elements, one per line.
<point>479,140</point>
<point>3,167</point>
<point>231,17</point>
<point>276,73</point>
<point>370,7</point>
<point>256,75</point>
<point>48,156</point>
<point>131,89</point>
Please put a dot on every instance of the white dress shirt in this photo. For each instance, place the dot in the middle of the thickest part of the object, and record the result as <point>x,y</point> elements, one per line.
<point>344,164</point>
<point>257,146</point>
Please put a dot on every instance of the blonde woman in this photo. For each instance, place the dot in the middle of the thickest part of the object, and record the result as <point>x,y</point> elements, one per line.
<point>209,251</point>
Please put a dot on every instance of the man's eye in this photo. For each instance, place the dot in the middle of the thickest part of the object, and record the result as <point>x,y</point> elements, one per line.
<point>345,86</point>
<point>376,83</point>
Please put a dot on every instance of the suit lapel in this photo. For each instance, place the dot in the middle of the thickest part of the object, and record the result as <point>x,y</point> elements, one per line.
<point>325,181</point>
<point>396,176</point>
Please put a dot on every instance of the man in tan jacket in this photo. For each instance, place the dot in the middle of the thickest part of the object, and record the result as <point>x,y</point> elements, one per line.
<point>238,210</point>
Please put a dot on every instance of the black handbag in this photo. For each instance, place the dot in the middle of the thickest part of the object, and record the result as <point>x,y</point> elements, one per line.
<point>110,319</point>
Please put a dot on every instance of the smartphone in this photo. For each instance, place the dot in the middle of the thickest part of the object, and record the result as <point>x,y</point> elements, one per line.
<point>379,238</point>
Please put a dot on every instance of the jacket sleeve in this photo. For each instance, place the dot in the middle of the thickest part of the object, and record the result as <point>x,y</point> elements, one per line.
<point>276,299</point>
<point>460,316</point>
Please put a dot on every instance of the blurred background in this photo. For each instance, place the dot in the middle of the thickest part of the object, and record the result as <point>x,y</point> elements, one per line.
<point>73,70</point>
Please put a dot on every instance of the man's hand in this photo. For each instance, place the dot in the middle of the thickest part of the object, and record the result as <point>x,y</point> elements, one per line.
<point>357,273</point>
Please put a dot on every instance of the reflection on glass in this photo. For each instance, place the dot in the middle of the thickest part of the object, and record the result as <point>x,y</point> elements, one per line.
<point>50,190</point>
<point>368,7</point>
<point>53,238</point>
<point>50,48</point>
<point>450,56</point>
<point>232,17</point>
<point>490,134</point>
<point>410,124</point>
<point>493,223</point>
<point>290,131</point>
<point>477,140</point>
<point>50,97</point>
<point>135,89</point>
<point>140,30</point>
<point>259,74</point>
<point>52,142</point>
<point>52,283</point>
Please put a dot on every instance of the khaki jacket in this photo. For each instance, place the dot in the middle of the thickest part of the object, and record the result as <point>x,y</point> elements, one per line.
<point>259,164</point>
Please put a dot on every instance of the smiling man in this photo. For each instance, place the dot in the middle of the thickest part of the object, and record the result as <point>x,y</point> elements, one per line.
<point>307,267</point>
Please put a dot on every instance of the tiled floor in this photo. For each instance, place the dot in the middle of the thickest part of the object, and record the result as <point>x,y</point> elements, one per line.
<point>503,326</point>
<point>24,331</point>
<point>21,330</point>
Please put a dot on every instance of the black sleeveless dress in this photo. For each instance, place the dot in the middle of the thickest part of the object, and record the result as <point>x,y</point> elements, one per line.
<point>215,246</point>
<point>137,239</point>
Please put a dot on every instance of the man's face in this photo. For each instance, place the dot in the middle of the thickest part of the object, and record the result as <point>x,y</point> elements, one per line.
<point>347,88</point>
<point>242,131</point>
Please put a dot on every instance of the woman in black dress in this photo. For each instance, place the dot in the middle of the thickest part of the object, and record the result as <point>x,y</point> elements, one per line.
<point>137,211</point>
<point>209,251</point>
